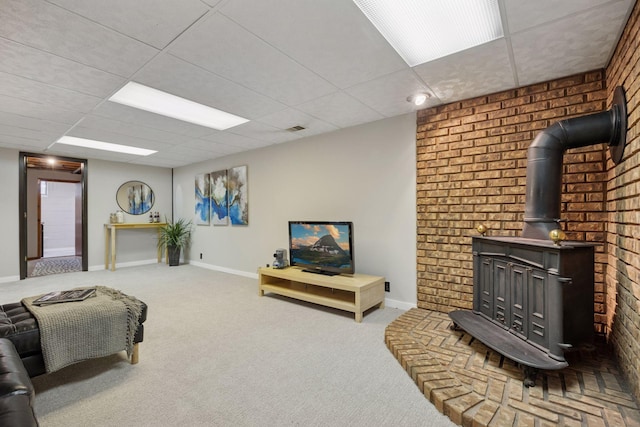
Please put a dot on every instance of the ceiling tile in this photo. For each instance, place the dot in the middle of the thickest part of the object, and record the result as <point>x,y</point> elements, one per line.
<point>482,70</point>
<point>248,61</point>
<point>88,153</point>
<point>158,162</point>
<point>116,137</point>
<point>264,133</point>
<point>30,90</point>
<point>53,70</point>
<point>37,110</point>
<point>183,154</point>
<point>234,140</point>
<point>19,143</point>
<point>181,78</point>
<point>526,14</point>
<point>125,114</point>
<point>9,131</point>
<point>341,110</point>
<point>99,124</point>
<point>213,147</point>
<point>52,29</point>
<point>32,123</point>
<point>150,21</point>
<point>291,117</point>
<point>579,43</point>
<point>388,94</point>
<point>333,38</point>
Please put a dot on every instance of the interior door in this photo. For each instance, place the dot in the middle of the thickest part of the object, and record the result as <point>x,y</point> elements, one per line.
<point>30,225</point>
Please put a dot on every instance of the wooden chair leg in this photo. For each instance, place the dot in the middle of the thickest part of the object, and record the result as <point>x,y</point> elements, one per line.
<point>135,354</point>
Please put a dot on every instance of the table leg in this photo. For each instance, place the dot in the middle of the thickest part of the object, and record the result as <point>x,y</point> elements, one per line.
<point>106,247</point>
<point>113,249</point>
<point>159,249</point>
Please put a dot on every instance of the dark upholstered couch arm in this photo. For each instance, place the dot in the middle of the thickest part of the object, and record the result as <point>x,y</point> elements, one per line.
<point>16,391</point>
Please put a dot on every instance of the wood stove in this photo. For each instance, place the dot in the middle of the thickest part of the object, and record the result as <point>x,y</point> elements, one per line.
<point>533,298</point>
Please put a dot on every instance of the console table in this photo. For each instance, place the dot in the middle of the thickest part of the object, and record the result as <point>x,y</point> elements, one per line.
<point>110,239</point>
<point>354,293</point>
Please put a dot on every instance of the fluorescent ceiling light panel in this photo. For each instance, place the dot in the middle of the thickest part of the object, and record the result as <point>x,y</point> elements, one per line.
<point>424,30</point>
<point>156,101</point>
<point>107,146</point>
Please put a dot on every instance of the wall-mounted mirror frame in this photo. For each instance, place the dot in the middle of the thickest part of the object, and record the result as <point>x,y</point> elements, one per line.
<point>135,197</point>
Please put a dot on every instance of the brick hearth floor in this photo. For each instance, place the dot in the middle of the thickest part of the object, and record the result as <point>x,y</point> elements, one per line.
<point>475,386</point>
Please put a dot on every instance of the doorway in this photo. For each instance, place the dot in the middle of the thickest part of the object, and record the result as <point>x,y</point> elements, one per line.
<point>53,220</point>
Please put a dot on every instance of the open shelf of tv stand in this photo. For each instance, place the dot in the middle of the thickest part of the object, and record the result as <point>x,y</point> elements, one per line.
<point>354,293</point>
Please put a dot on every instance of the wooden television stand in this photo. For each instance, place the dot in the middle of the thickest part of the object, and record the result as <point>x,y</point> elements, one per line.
<point>354,293</point>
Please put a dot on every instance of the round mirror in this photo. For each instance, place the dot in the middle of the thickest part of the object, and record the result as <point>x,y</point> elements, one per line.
<point>135,197</point>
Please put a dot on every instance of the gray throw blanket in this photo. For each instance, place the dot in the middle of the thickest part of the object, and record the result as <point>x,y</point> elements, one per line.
<point>98,326</point>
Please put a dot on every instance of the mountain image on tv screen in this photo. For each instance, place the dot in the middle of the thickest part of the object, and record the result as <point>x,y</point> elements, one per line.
<point>321,245</point>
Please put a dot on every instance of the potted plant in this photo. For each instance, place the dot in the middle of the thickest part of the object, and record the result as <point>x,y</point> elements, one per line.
<point>174,236</point>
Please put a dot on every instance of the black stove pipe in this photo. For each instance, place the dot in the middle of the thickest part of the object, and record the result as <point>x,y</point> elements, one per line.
<point>544,163</point>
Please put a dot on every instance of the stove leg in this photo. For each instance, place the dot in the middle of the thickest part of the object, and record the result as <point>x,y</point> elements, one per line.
<point>530,376</point>
<point>454,326</point>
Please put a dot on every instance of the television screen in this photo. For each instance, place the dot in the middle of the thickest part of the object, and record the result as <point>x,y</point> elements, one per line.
<point>322,246</point>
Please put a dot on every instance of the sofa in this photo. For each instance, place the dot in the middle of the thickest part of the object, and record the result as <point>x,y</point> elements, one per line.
<point>21,359</point>
<point>16,389</point>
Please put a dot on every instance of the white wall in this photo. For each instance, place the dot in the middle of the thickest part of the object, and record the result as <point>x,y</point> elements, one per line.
<point>365,174</point>
<point>10,247</point>
<point>103,180</point>
<point>32,202</point>
<point>59,218</point>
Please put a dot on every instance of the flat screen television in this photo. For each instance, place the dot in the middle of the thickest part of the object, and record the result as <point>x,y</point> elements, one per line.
<point>324,247</point>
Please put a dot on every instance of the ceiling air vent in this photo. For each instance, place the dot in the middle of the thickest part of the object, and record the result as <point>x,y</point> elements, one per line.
<point>296,128</point>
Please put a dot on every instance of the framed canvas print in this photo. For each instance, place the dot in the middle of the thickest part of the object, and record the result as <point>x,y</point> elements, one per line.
<point>219,207</point>
<point>202,188</point>
<point>237,198</point>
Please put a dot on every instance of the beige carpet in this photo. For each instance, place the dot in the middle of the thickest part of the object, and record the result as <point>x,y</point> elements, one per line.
<point>217,354</point>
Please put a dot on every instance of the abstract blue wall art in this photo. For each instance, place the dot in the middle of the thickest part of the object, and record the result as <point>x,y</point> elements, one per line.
<point>202,187</point>
<point>219,207</point>
<point>237,197</point>
<point>135,197</point>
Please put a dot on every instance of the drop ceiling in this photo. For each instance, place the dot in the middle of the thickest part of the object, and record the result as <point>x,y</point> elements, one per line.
<point>316,64</point>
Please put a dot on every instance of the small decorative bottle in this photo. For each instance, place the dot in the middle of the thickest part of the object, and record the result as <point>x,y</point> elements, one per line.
<point>151,218</point>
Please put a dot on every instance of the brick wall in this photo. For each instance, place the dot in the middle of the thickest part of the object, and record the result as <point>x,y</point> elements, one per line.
<point>471,170</point>
<point>471,167</point>
<point>622,273</point>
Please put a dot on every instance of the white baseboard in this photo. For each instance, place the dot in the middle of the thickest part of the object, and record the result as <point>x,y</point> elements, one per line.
<point>402,305</point>
<point>125,264</point>
<point>224,269</point>
<point>391,303</point>
<point>8,279</point>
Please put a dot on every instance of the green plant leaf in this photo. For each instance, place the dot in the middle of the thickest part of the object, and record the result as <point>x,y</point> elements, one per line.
<point>177,233</point>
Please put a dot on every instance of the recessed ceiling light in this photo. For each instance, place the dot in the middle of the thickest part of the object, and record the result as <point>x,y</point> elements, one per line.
<point>156,101</point>
<point>107,146</point>
<point>424,30</point>
<point>418,98</point>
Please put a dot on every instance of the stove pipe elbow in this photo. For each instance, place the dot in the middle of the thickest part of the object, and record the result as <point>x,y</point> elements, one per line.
<point>544,162</point>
